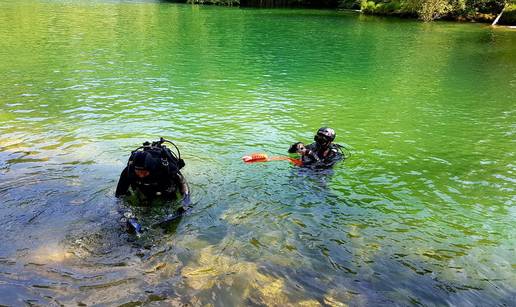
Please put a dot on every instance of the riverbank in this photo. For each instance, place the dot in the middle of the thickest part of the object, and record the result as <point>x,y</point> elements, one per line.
<point>484,11</point>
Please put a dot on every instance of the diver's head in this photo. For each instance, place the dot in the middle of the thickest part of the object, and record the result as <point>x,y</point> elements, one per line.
<point>298,147</point>
<point>324,136</point>
<point>141,164</point>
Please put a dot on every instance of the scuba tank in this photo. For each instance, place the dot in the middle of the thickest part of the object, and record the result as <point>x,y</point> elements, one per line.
<point>162,166</point>
<point>169,160</point>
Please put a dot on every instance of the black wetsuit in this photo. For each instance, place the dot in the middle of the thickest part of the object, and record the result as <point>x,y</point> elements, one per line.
<point>150,186</point>
<point>318,156</point>
<point>164,180</point>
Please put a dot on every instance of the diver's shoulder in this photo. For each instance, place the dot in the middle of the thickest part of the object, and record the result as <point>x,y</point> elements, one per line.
<point>335,147</point>
<point>312,146</point>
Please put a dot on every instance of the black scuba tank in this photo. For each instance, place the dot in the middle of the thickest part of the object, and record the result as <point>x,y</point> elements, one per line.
<point>156,154</point>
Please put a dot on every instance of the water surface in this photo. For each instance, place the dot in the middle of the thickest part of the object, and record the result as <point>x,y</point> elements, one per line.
<point>422,213</point>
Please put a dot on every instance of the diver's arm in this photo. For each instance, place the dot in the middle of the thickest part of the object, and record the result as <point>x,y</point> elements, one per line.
<point>184,190</point>
<point>310,156</point>
<point>123,183</point>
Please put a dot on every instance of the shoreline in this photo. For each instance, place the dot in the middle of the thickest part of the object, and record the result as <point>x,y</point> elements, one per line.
<point>371,8</point>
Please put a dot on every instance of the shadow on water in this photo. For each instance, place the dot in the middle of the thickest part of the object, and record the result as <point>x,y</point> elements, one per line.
<point>317,178</point>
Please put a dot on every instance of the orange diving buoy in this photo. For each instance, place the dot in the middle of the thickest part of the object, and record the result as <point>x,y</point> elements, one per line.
<point>262,157</point>
<point>256,157</point>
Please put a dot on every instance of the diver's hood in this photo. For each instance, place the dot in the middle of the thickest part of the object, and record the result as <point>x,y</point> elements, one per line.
<point>145,160</point>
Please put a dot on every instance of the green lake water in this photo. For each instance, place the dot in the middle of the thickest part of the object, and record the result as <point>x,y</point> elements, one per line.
<point>422,213</point>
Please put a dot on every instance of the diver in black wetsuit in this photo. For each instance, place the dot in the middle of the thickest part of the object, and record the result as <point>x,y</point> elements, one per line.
<point>322,153</point>
<point>153,171</point>
<point>145,174</point>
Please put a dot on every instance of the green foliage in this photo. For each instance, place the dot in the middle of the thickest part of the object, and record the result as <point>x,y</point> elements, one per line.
<point>349,4</point>
<point>216,2</point>
<point>427,10</point>
<point>291,3</point>
<point>388,7</point>
<point>368,7</point>
<point>485,6</point>
<point>385,7</point>
<point>509,15</point>
<point>433,9</point>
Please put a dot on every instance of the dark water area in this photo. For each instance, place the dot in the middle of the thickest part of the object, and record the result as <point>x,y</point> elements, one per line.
<point>422,213</point>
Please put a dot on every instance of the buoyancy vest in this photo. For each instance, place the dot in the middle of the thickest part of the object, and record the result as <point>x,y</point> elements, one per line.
<point>163,166</point>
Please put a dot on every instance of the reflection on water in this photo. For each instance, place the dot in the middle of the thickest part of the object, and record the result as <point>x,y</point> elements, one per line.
<point>421,214</point>
<point>49,253</point>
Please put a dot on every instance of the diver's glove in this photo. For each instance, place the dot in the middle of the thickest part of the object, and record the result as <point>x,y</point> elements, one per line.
<point>173,216</point>
<point>132,224</point>
<point>186,201</point>
<point>134,227</point>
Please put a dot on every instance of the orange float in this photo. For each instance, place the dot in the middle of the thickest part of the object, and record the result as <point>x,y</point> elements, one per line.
<point>262,157</point>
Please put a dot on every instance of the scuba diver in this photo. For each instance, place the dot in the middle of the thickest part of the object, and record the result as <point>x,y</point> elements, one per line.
<point>322,153</point>
<point>153,171</point>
